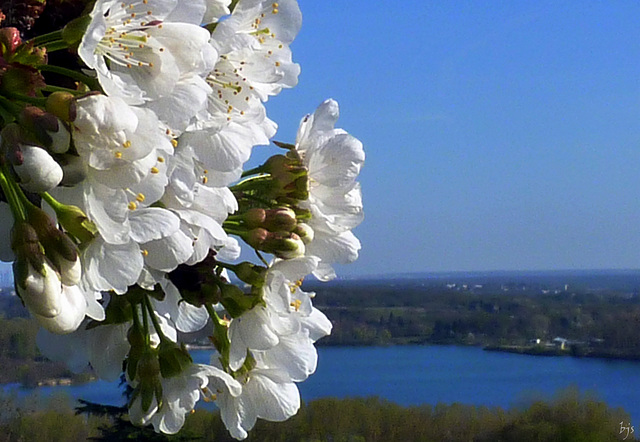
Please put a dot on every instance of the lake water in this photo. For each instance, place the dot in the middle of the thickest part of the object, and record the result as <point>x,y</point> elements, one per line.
<point>413,375</point>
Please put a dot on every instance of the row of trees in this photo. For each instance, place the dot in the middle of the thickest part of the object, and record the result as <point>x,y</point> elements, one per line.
<point>570,417</point>
<point>379,314</point>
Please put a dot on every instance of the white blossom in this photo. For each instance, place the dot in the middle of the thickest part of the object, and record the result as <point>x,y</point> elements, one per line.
<point>334,159</point>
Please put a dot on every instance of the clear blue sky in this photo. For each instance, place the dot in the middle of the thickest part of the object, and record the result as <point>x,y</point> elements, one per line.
<point>500,135</point>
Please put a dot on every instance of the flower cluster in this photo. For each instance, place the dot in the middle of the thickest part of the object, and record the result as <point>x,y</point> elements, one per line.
<point>123,199</point>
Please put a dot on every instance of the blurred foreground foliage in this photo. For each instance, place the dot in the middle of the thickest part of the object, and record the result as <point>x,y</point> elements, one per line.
<point>570,416</point>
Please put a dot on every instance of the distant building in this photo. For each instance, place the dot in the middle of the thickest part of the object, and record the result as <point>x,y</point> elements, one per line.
<point>560,342</point>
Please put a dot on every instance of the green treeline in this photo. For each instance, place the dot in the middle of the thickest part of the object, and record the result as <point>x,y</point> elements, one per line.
<point>369,314</point>
<point>569,417</point>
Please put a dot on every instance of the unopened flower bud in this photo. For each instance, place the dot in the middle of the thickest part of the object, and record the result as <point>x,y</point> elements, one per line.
<point>284,168</point>
<point>75,222</point>
<point>62,105</point>
<point>284,245</point>
<point>9,41</point>
<point>173,359</point>
<point>41,290</point>
<point>251,274</point>
<point>58,247</point>
<point>256,237</point>
<point>305,232</point>
<point>282,219</point>
<point>148,373</point>
<point>72,305</point>
<point>255,217</point>
<point>39,172</point>
<point>290,247</point>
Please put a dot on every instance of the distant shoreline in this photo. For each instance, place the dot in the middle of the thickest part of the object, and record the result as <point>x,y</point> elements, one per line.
<point>584,353</point>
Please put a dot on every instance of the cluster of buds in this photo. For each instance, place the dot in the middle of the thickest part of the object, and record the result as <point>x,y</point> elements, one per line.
<point>271,219</point>
<point>47,272</point>
<point>276,231</point>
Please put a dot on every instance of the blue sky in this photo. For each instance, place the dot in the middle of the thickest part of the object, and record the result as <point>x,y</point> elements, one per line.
<point>500,135</point>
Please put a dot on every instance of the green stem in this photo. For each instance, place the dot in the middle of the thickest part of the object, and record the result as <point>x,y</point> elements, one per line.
<point>51,88</point>
<point>230,230</point>
<point>10,106</point>
<point>261,258</point>
<point>136,322</point>
<point>57,45</point>
<point>250,183</point>
<point>78,76</point>
<point>53,203</point>
<point>45,38</point>
<point>154,319</point>
<point>234,222</point>
<point>220,336</point>
<point>17,209</point>
<point>38,101</point>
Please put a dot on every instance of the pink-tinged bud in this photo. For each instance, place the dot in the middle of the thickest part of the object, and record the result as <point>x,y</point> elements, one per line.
<point>255,217</point>
<point>39,172</point>
<point>282,219</point>
<point>9,41</point>
<point>11,139</point>
<point>256,237</point>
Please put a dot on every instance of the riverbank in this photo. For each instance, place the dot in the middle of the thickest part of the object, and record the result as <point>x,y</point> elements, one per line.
<point>578,352</point>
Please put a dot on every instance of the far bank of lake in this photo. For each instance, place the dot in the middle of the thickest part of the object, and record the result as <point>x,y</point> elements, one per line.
<point>414,375</point>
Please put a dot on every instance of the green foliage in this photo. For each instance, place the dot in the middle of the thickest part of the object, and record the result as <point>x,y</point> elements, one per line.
<point>411,313</point>
<point>568,417</point>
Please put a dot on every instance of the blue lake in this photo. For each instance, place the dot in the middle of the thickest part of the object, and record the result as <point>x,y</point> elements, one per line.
<point>413,375</point>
